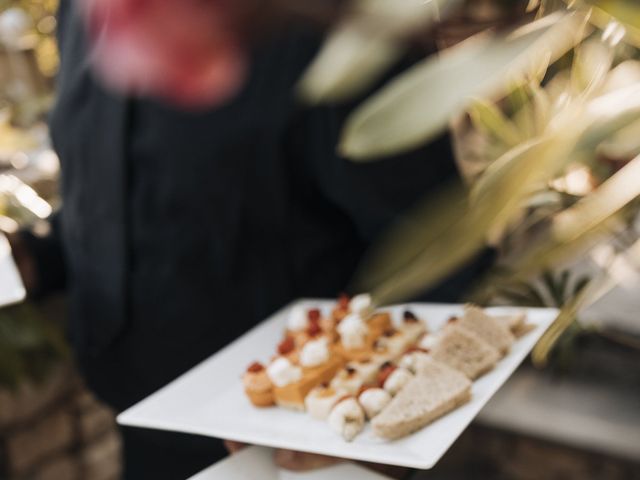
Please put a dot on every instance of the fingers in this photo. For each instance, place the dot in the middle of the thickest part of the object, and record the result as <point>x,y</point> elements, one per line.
<point>233,447</point>
<point>390,471</point>
<point>301,462</point>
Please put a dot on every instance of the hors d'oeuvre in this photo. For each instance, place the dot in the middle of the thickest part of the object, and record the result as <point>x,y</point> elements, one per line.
<point>354,375</point>
<point>347,418</point>
<point>412,326</point>
<point>460,349</point>
<point>341,309</point>
<point>317,364</point>
<point>412,357</point>
<point>373,400</point>
<point>286,378</point>
<point>258,386</point>
<point>440,390</point>
<point>392,378</point>
<point>321,400</point>
<point>487,328</point>
<point>356,339</point>
<point>392,343</point>
<point>379,322</point>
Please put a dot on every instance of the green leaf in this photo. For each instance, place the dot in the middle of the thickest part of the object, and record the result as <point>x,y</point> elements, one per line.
<point>488,118</point>
<point>418,104</point>
<point>366,44</point>
<point>591,64</point>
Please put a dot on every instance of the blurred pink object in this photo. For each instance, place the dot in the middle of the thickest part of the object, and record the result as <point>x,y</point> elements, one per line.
<point>186,51</point>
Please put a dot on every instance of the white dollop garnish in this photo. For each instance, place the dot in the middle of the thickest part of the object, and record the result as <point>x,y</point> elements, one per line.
<point>373,400</point>
<point>347,418</point>
<point>314,353</point>
<point>410,360</point>
<point>298,319</point>
<point>360,304</point>
<point>282,372</point>
<point>398,379</point>
<point>352,330</point>
<point>429,341</point>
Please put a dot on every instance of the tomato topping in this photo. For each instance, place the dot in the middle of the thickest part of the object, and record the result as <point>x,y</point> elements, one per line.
<point>385,370</point>
<point>286,346</point>
<point>415,348</point>
<point>314,315</point>
<point>409,317</point>
<point>343,301</point>
<point>314,329</point>
<point>255,367</point>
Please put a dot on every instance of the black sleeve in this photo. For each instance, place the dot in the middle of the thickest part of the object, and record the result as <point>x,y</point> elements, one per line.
<point>48,255</point>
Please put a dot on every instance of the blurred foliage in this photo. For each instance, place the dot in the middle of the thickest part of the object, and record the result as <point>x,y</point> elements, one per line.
<point>42,34</point>
<point>30,345</point>
<point>554,100</point>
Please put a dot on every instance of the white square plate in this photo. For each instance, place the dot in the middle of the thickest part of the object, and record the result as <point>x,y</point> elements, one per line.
<point>11,288</point>
<point>209,399</point>
<point>257,462</point>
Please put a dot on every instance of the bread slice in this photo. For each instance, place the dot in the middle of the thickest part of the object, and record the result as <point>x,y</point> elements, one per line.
<point>488,329</point>
<point>460,349</point>
<point>512,322</point>
<point>435,390</point>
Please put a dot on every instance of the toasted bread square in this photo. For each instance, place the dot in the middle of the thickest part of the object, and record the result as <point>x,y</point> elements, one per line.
<point>465,352</point>
<point>435,390</point>
<point>486,328</point>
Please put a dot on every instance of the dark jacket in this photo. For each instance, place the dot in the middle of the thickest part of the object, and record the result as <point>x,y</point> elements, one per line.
<point>179,231</point>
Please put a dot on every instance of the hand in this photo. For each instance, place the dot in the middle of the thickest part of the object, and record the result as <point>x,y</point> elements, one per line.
<point>233,447</point>
<point>301,461</point>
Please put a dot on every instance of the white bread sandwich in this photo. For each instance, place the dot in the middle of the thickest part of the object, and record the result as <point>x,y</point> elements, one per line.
<point>436,389</point>
<point>462,350</point>
<point>488,329</point>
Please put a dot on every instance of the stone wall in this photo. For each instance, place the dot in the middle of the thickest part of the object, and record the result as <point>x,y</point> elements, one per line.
<point>491,454</point>
<point>57,431</point>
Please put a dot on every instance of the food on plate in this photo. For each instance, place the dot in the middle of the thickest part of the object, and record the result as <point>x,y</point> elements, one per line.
<point>486,328</point>
<point>396,380</point>
<point>347,418</point>
<point>435,390</point>
<point>258,386</point>
<point>317,365</point>
<point>356,364</point>
<point>392,342</point>
<point>412,357</point>
<point>321,400</point>
<point>373,400</point>
<point>517,323</point>
<point>411,326</point>
<point>361,305</point>
<point>341,309</point>
<point>354,375</point>
<point>460,349</point>
<point>379,322</point>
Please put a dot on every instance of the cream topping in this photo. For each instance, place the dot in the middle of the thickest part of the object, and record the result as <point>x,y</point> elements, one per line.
<point>360,304</point>
<point>352,330</point>
<point>398,379</point>
<point>373,400</point>
<point>298,318</point>
<point>410,360</point>
<point>314,353</point>
<point>347,418</point>
<point>429,341</point>
<point>282,372</point>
